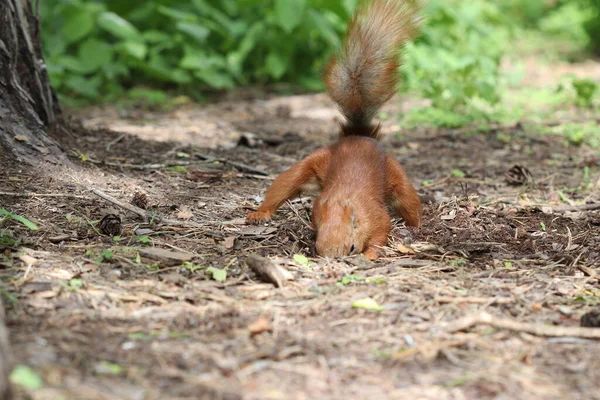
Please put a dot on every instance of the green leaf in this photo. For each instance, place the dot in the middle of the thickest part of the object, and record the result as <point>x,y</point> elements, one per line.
<point>276,64</point>
<point>85,87</point>
<point>73,64</point>
<point>368,304</point>
<point>457,173</point>
<point>289,13</point>
<point>196,31</point>
<point>94,54</point>
<point>347,279</point>
<point>108,368</point>
<point>217,274</point>
<point>107,254</point>
<point>118,26</point>
<point>25,222</point>
<point>26,378</point>
<point>76,284</point>
<point>135,49</point>
<point>144,239</point>
<point>78,24</point>
<point>324,28</point>
<point>194,58</point>
<point>153,36</point>
<point>177,14</point>
<point>218,80</point>
<point>115,70</point>
<point>300,259</point>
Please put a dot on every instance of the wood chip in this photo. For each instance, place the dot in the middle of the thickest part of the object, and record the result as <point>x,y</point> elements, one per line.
<point>268,271</point>
<point>166,256</point>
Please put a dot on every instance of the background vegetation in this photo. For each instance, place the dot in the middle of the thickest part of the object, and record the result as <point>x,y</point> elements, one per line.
<point>103,50</point>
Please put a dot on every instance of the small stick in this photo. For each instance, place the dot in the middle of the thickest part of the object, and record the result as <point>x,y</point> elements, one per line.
<point>128,207</point>
<point>581,207</point>
<point>237,165</point>
<point>144,214</point>
<point>141,167</point>
<point>533,329</point>
<point>268,271</point>
<point>117,140</point>
<point>67,195</point>
<point>474,300</point>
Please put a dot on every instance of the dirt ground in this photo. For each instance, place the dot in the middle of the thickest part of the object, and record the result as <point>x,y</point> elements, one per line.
<point>99,318</point>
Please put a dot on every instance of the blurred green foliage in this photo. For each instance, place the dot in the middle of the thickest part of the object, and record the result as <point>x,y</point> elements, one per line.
<point>110,49</point>
<point>99,48</point>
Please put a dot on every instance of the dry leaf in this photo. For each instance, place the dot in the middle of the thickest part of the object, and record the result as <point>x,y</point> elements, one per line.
<point>28,260</point>
<point>263,324</point>
<point>405,249</point>
<point>22,138</point>
<point>185,213</point>
<point>229,242</point>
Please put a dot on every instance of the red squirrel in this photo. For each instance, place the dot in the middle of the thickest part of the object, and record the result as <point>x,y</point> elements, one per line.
<point>356,178</point>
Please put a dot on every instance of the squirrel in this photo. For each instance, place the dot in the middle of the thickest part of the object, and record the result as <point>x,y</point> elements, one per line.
<point>356,178</point>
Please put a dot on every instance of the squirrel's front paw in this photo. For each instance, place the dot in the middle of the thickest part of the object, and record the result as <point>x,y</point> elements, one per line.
<point>258,216</point>
<point>371,254</point>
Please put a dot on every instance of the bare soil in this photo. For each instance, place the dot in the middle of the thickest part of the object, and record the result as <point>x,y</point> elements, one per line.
<point>98,318</point>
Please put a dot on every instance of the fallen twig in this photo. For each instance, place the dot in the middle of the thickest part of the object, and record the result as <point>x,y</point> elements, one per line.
<point>580,207</point>
<point>128,207</point>
<point>241,167</point>
<point>115,141</point>
<point>474,300</point>
<point>533,329</point>
<point>145,215</point>
<point>142,167</point>
<point>268,271</point>
<point>64,195</point>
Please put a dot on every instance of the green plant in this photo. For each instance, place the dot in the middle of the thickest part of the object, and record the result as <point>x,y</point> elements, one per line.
<point>105,48</point>
<point>592,25</point>
<point>8,216</point>
<point>456,61</point>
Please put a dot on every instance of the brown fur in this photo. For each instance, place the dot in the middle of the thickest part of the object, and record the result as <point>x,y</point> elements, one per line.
<point>358,180</point>
<point>364,75</point>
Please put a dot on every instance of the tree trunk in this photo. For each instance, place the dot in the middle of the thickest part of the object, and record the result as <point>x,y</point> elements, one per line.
<point>5,359</point>
<point>28,105</point>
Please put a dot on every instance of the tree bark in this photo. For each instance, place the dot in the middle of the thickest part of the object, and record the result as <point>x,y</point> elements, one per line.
<point>5,358</point>
<point>28,105</point>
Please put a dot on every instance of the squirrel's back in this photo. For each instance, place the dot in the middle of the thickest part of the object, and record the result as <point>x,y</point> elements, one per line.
<point>364,75</point>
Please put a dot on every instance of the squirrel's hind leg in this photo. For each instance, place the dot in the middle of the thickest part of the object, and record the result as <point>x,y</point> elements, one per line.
<point>291,183</point>
<point>401,195</point>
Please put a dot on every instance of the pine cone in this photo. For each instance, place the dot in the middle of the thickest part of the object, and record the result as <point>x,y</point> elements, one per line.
<point>518,175</point>
<point>140,200</point>
<point>110,225</point>
<point>591,319</point>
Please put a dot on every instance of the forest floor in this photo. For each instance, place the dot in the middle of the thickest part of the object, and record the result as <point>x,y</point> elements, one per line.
<point>144,316</point>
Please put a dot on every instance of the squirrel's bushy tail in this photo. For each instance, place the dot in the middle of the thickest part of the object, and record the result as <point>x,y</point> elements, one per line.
<point>365,74</point>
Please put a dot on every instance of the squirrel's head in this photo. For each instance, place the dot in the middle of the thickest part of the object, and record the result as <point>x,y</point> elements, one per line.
<point>337,225</point>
